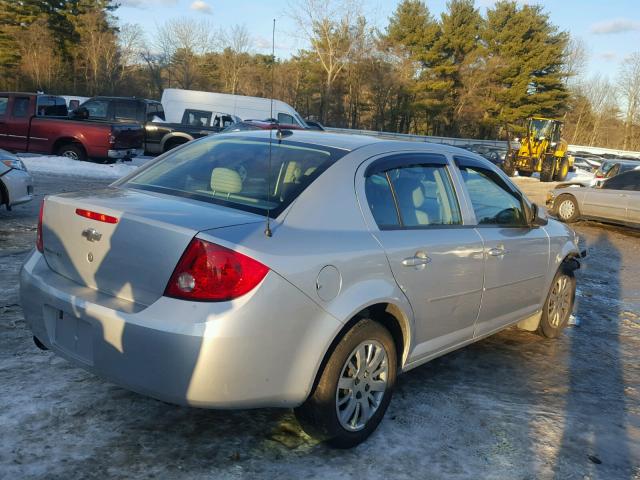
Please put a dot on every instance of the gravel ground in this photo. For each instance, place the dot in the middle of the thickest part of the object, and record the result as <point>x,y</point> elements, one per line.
<point>513,406</point>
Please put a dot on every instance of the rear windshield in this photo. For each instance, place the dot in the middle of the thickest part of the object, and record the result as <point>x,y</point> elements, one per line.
<point>234,171</point>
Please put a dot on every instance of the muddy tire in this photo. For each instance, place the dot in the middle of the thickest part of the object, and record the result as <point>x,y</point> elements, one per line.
<point>566,208</point>
<point>548,169</point>
<point>354,387</point>
<point>558,305</point>
<point>72,151</point>
<point>523,173</point>
<point>563,170</point>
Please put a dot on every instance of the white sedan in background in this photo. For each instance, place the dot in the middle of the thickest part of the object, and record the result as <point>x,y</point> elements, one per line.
<point>16,184</point>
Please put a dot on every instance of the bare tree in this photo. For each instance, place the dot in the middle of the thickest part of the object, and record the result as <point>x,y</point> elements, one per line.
<point>328,26</point>
<point>39,62</point>
<point>576,56</point>
<point>235,43</point>
<point>602,99</point>
<point>629,88</point>
<point>183,43</point>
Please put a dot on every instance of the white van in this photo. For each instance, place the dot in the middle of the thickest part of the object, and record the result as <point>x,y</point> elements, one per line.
<point>181,104</point>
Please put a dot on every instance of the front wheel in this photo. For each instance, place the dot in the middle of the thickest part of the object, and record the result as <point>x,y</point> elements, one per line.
<point>563,170</point>
<point>566,208</point>
<point>354,387</point>
<point>559,304</point>
<point>548,169</point>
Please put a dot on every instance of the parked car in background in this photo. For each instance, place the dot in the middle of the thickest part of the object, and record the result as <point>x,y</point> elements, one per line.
<point>309,280</point>
<point>617,200</point>
<point>610,168</point>
<point>248,125</point>
<point>495,155</point>
<point>36,123</point>
<point>16,184</point>
<point>73,101</point>
<point>586,163</point>
<point>177,101</point>
<point>159,135</point>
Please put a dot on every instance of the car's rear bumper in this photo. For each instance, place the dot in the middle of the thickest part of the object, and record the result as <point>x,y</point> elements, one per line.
<point>19,185</point>
<point>125,153</point>
<point>260,350</point>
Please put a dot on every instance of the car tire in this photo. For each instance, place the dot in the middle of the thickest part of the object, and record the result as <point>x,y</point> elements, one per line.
<point>523,173</point>
<point>335,414</point>
<point>72,151</point>
<point>548,169</point>
<point>559,304</point>
<point>563,171</point>
<point>566,208</point>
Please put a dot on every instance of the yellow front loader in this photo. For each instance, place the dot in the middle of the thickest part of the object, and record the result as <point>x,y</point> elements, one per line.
<point>541,150</point>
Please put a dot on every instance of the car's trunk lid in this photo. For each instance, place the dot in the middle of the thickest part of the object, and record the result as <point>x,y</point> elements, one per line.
<point>134,258</point>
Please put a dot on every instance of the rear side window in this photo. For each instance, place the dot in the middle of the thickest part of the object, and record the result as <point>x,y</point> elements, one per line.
<point>51,106</point>
<point>21,107</point>
<point>125,110</point>
<point>408,193</point>
<point>97,108</point>
<point>624,181</point>
<point>4,101</point>
<point>286,118</point>
<point>236,172</point>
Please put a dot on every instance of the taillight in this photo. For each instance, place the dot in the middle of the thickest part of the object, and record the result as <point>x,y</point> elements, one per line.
<point>39,242</point>
<point>210,272</point>
<point>112,139</point>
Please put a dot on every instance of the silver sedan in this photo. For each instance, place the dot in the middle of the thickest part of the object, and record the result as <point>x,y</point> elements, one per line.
<point>16,184</point>
<point>306,271</point>
<point>617,200</point>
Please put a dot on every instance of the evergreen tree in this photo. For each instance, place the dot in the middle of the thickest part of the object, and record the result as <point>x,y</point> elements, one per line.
<point>530,50</point>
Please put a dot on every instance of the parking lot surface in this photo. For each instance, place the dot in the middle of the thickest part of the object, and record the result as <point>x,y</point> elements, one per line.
<point>513,406</point>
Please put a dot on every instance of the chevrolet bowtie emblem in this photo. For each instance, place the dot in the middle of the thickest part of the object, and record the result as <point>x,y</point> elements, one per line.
<point>92,235</point>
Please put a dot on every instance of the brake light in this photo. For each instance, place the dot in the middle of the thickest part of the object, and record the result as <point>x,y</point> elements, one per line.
<point>39,242</point>
<point>210,272</point>
<point>112,139</point>
<point>100,217</point>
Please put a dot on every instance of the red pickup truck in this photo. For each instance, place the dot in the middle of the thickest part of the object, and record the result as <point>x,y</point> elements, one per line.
<point>39,123</point>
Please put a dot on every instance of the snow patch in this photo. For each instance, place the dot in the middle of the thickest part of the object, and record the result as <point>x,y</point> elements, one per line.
<point>73,168</point>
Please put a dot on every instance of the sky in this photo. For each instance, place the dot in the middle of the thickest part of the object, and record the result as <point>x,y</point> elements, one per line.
<point>609,28</point>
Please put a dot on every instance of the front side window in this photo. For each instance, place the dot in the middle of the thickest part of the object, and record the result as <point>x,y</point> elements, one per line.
<point>286,118</point>
<point>4,101</point>
<point>235,171</point>
<point>493,202</point>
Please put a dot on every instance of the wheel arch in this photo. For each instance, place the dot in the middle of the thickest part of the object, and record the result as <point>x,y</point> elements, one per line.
<point>388,314</point>
<point>174,137</point>
<point>64,141</point>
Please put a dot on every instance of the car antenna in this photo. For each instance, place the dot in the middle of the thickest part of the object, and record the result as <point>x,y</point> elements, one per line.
<point>267,230</point>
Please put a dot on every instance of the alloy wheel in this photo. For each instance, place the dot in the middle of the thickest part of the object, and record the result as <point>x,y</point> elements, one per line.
<point>362,385</point>
<point>71,154</point>
<point>559,301</point>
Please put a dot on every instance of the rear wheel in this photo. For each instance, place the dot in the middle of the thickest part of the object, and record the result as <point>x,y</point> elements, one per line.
<point>559,304</point>
<point>548,169</point>
<point>354,388</point>
<point>72,151</point>
<point>563,170</point>
<point>566,208</point>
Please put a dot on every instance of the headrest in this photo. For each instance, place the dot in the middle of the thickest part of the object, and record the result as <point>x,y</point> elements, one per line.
<point>225,180</point>
<point>409,192</point>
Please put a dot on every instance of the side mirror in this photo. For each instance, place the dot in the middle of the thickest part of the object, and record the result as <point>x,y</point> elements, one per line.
<point>537,218</point>
<point>80,113</point>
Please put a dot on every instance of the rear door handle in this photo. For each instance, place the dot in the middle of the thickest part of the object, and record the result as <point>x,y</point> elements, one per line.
<point>497,252</point>
<point>418,260</point>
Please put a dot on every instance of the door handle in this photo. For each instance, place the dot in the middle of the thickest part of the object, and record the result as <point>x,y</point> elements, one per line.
<point>418,260</point>
<point>497,252</point>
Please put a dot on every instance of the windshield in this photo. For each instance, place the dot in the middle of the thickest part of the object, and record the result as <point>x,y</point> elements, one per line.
<point>235,171</point>
<point>540,128</point>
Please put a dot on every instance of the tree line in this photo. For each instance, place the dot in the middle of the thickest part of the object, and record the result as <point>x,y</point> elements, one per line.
<point>463,73</point>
